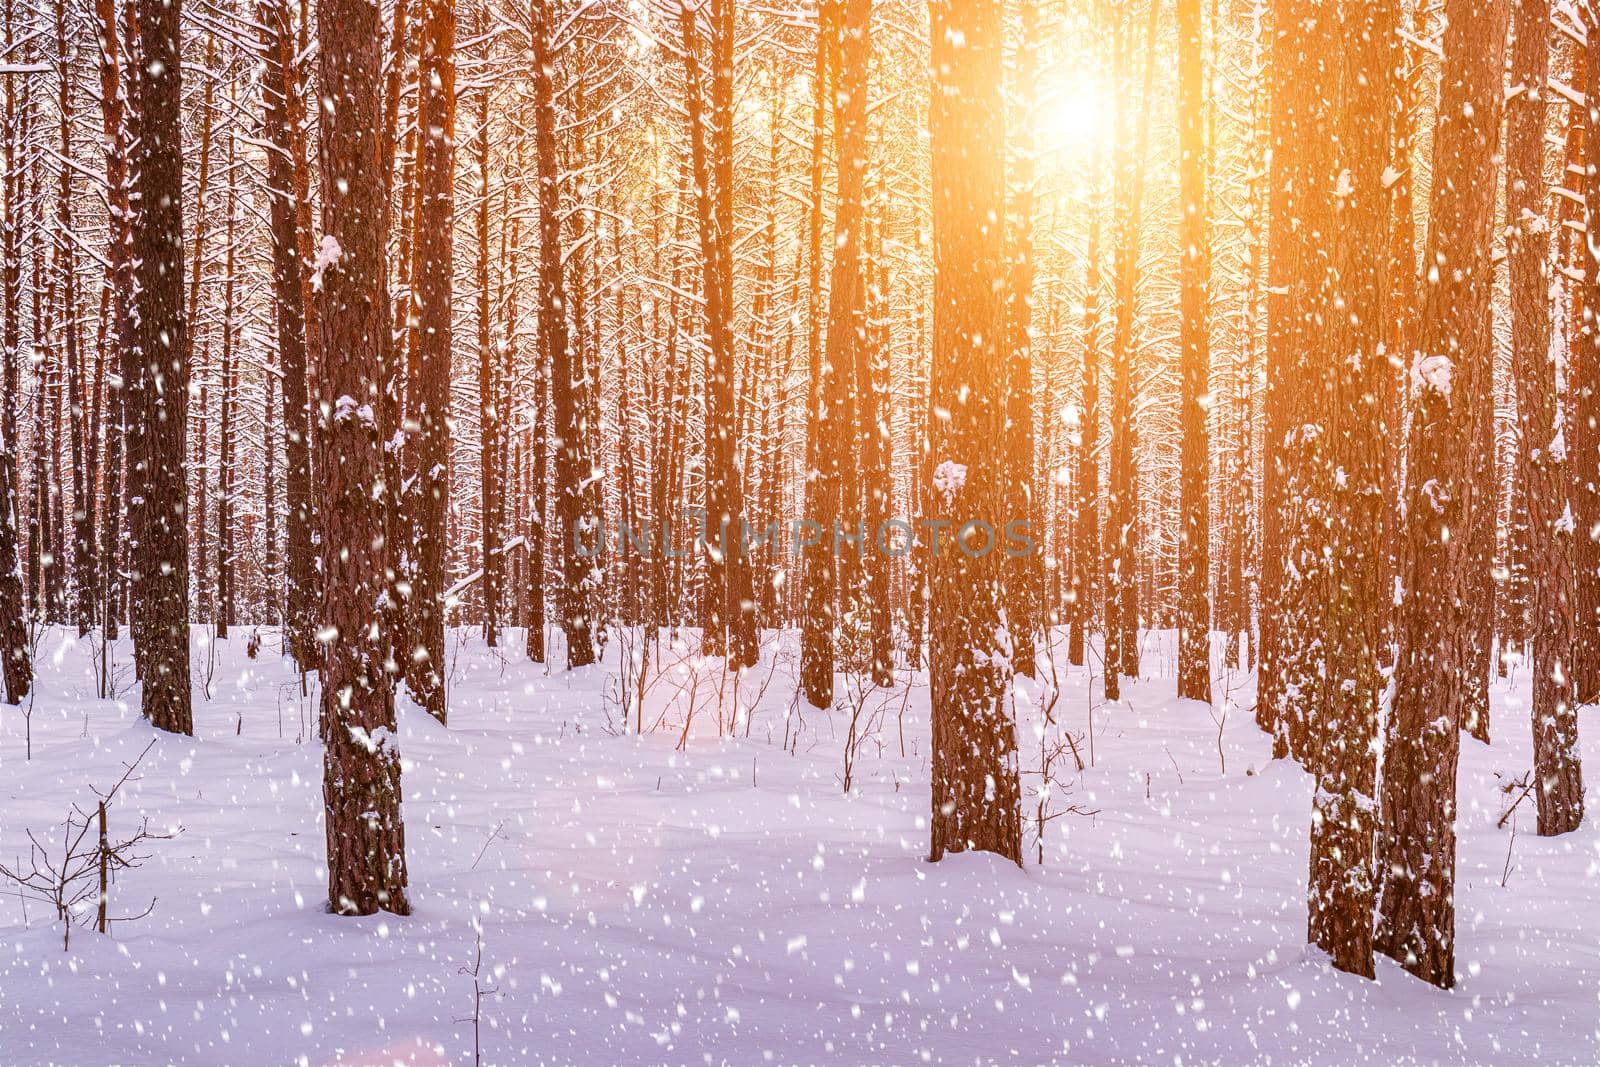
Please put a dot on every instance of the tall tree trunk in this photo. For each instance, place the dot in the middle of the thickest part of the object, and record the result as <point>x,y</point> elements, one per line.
<point>874,418</point>
<point>272,607</point>
<point>1401,305</point>
<point>1237,616</point>
<point>16,663</point>
<point>397,312</point>
<point>727,489</point>
<point>975,791</point>
<point>1194,531</point>
<point>730,610</point>
<point>1556,766</point>
<point>1342,824</point>
<point>1122,495</point>
<point>1301,62</point>
<point>84,591</point>
<point>538,496</point>
<point>429,395</point>
<point>28,194</point>
<point>490,471</point>
<point>120,282</point>
<point>197,275</point>
<point>846,375</point>
<point>582,288</point>
<point>559,355</point>
<point>279,90</point>
<point>1584,401</point>
<point>512,462</point>
<point>1024,582</point>
<point>361,761</point>
<point>158,258</point>
<point>1417,847</point>
<point>1086,482</point>
<point>226,450</point>
<point>817,629</point>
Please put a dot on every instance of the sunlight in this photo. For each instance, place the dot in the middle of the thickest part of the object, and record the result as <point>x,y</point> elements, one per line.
<point>1073,115</point>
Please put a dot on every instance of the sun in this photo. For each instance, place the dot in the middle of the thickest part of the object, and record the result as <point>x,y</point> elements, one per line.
<point>1073,114</point>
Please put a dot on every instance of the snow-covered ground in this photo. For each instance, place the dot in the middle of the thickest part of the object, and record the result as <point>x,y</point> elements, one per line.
<point>685,897</point>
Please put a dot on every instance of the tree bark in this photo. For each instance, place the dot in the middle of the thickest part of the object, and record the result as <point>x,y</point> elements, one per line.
<point>1556,764</point>
<point>361,760</point>
<point>975,789</point>
<point>429,394</point>
<point>226,448</point>
<point>817,629</point>
<point>84,567</point>
<point>1023,575</point>
<point>491,472</point>
<point>1086,562</point>
<point>1194,357</point>
<point>846,362</point>
<point>729,624</point>
<point>158,257</point>
<point>290,306</point>
<point>1122,488</point>
<point>566,410</point>
<point>16,663</point>
<point>1342,822</point>
<point>1584,401</point>
<point>1300,181</point>
<point>1416,914</point>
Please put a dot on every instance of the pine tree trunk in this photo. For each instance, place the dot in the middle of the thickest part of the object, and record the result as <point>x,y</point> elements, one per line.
<point>490,472</point>
<point>28,194</point>
<point>197,274</point>
<point>1400,309</point>
<point>583,290</point>
<point>729,617</point>
<point>1194,535</point>
<point>1023,577</point>
<point>675,446</point>
<point>846,375</point>
<point>429,394</point>
<point>61,336</point>
<point>1293,517</point>
<point>1342,822</point>
<point>1122,495</point>
<point>566,411</point>
<point>1086,562</point>
<point>874,419</point>
<point>84,583</point>
<point>1556,766</point>
<point>512,461</point>
<point>975,791</point>
<point>1584,404</point>
<point>1243,511</point>
<point>361,778</point>
<point>1416,915</point>
<point>538,497</point>
<point>290,307</point>
<point>817,629</point>
<point>119,280</point>
<point>271,586</point>
<point>225,443</point>
<point>163,600</point>
<point>727,489</point>
<point>16,664</point>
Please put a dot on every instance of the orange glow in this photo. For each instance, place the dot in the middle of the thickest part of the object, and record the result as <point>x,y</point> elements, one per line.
<point>1074,112</point>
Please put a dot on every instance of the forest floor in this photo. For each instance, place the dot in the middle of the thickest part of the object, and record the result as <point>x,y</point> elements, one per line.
<point>685,897</point>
